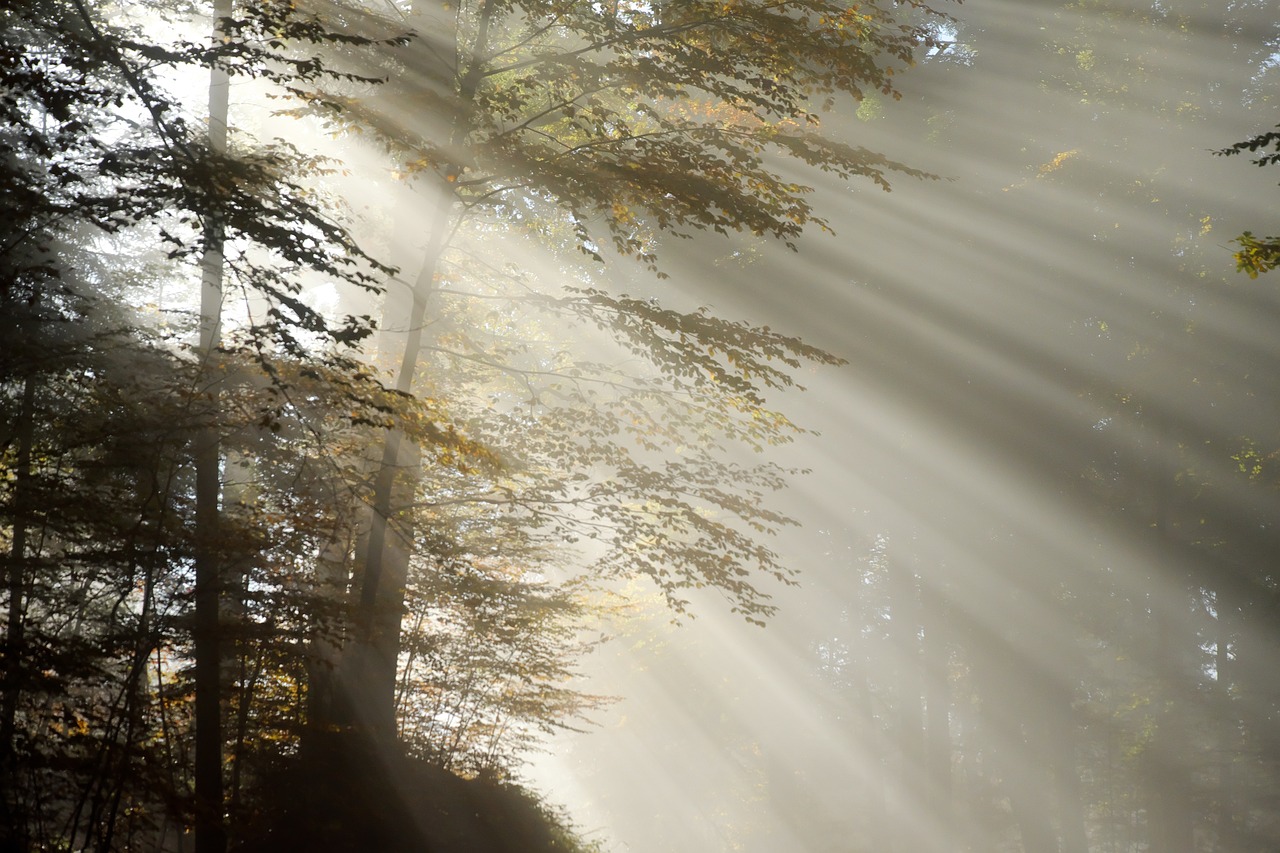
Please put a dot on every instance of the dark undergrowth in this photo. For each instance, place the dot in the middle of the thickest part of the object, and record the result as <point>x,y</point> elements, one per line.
<point>346,798</point>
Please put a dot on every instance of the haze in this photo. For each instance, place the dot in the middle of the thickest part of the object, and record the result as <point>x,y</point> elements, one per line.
<point>1001,576</point>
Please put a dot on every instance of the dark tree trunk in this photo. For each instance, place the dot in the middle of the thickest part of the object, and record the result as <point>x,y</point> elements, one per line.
<point>210,833</point>
<point>368,683</point>
<point>15,638</point>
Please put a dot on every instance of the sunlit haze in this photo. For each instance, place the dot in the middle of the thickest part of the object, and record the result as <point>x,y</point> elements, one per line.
<point>1019,589</point>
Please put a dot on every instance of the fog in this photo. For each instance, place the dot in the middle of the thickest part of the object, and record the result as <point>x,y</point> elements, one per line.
<point>1036,534</point>
<point>725,503</point>
<point>1030,518</point>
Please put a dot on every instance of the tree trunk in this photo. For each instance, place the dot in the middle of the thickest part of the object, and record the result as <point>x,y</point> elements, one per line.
<point>1030,811</point>
<point>1228,725</point>
<point>369,682</point>
<point>937,687</point>
<point>1169,765</point>
<point>1064,736</point>
<point>1008,686</point>
<point>210,834</point>
<point>1169,779</point>
<point>904,603</point>
<point>331,587</point>
<point>15,640</point>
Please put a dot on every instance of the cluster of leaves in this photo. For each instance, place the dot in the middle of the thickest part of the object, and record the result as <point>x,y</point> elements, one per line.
<point>1257,255</point>
<point>639,118</point>
<point>635,121</point>
<point>486,667</point>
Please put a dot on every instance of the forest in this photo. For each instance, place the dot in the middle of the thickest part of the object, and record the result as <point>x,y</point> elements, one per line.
<point>639,425</point>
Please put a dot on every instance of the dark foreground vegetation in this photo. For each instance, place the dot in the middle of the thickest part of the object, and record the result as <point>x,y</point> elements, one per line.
<point>346,799</point>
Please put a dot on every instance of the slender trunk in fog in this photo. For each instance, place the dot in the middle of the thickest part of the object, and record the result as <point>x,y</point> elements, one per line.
<point>1027,750</point>
<point>1030,810</point>
<point>1169,774</point>
<point>1171,829</point>
<point>936,654</point>
<point>874,803</point>
<point>904,603</point>
<point>1066,768</point>
<point>1227,721</point>
<point>210,834</point>
<point>1007,685</point>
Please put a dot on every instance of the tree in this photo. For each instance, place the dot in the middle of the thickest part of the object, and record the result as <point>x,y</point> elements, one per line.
<point>612,125</point>
<point>99,159</point>
<point>209,579</point>
<point>188,511</point>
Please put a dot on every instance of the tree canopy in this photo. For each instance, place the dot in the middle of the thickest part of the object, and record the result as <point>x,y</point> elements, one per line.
<point>222,520</point>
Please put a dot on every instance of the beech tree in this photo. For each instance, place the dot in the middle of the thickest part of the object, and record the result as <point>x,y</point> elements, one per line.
<point>205,511</point>
<point>609,128</point>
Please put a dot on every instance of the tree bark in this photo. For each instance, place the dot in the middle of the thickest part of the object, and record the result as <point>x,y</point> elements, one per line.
<point>210,833</point>
<point>15,640</point>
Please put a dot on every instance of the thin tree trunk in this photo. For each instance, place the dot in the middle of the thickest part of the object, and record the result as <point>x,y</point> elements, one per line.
<point>210,834</point>
<point>16,580</point>
<point>333,576</point>
<point>368,683</point>
<point>1228,725</point>
<point>1169,779</point>
<point>936,654</point>
<point>15,639</point>
<point>904,604</point>
<point>1030,810</point>
<point>1067,777</point>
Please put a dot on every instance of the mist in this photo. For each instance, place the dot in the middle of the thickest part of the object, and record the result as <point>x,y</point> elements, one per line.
<point>1037,562</point>
<point>630,430</point>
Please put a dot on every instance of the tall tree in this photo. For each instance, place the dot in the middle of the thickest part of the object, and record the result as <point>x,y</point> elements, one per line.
<point>209,580</point>
<point>97,156</point>
<point>622,123</point>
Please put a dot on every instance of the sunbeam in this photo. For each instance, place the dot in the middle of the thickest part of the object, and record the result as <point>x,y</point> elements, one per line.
<point>775,426</point>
